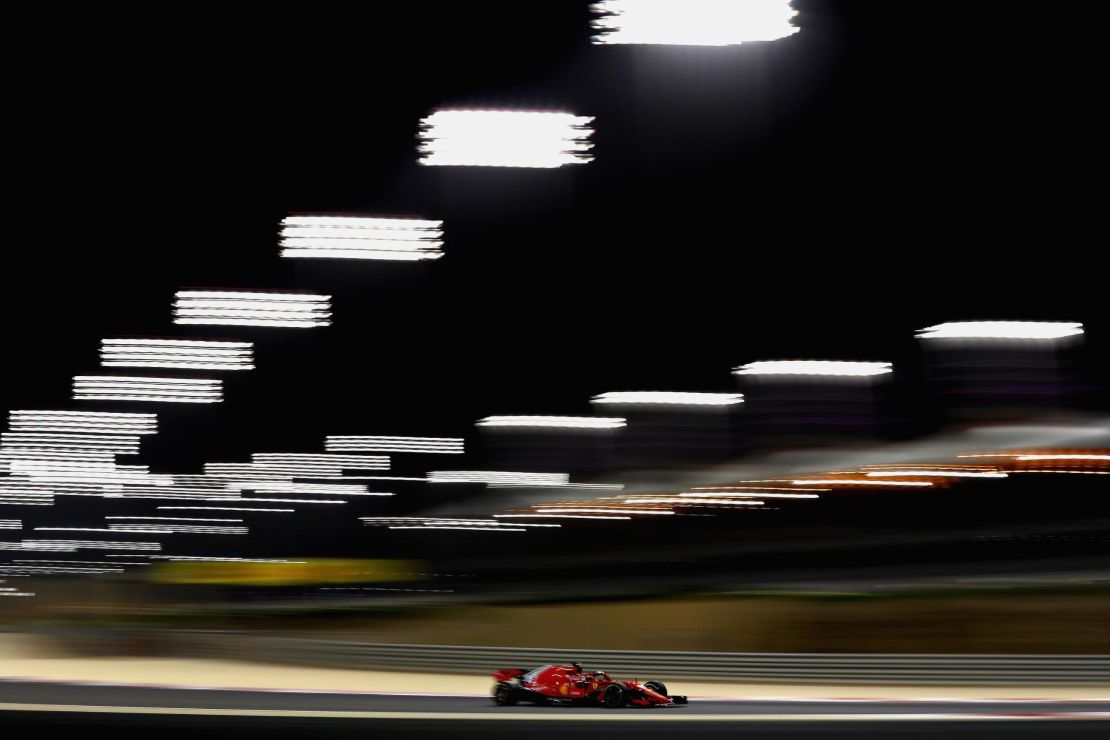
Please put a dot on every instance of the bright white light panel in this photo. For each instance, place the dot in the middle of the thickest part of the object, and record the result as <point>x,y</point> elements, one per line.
<point>496,477</point>
<point>95,422</point>
<point>186,354</point>
<point>136,388</point>
<point>831,368</point>
<point>427,445</point>
<point>365,238</point>
<point>668,398</point>
<point>553,422</point>
<point>251,308</point>
<point>1001,330</point>
<point>692,22</point>
<point>504,138</point>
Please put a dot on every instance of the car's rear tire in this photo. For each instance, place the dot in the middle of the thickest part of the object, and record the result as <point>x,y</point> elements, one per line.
<point>504,695</point>
<point>657,686</point>
<point>614,697</point>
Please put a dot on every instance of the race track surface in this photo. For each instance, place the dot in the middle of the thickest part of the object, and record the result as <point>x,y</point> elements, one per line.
<point>146,711</point>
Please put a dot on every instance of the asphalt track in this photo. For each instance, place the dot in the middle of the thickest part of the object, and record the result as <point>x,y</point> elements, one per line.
<point>134,711</point>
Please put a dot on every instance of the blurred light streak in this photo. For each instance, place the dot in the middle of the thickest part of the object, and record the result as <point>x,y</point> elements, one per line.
<point>934,466</point>
<point>96,529</point>
<point>934,474</point>
<point>11,524</point>
<point>251,308</point>
<point>92,544</point>
<point>1001,330</point>
<point>327,463</point>
<point>555,516</point>
<point>186,354</point>
<point>223,508</point>
<point>756,494</point>
<point>498,477</point>
<point>286,500</point>
<point>174,518</point>
<point>182,528</point>
<point>587,486</point>
<point>692,22</point>
<point>358,237</point>
<point>668,398</point>
<point>440,521</point>
<point>694,501</point>
<point>120,444</point>
<point>504,138</point>
<point>1063,457</point>
<point>830,368</point>
<point>858,482</point>
<point>576,510</point>
<point>270,486</point>
<point>77,562</point>
<point>226,559</point>
<point>469,529</point>
<point>393,477</point>
<point>338,493</point>
<point>83,421</point>
<point>553,422</point>
<point>35,547</point>
<point>11,454</point>
<point>85,475</point>
<point>134,388</point>
<point>33,499</point>
<point>756,489</point>
<point>430,445</point>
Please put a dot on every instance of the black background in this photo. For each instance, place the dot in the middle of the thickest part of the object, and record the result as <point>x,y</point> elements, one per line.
<point>891,166</point>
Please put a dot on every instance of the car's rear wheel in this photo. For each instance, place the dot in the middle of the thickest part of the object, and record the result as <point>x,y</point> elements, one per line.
<point>614,697</point>
<point>657,686</point>
<point>504,695</point>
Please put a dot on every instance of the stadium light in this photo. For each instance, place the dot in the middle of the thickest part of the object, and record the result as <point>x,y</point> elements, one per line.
<point>665,398</point>
<point>553,422</point>
<point>831,368</point>
<point>360,237</point>
<point>83,421</point>
<point>135,388</point>
<point>1001,330</point>
<point>495,477</point>
<point>426,445</point>
<point>504,138</point>
<point>251,308</point>
<point>692,22</point>
<point>187,354</point>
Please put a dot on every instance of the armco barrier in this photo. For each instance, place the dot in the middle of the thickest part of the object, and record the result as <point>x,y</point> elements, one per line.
<point>794,668</point>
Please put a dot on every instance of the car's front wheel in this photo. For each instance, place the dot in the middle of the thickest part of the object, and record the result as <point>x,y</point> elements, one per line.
<point>614,697</point>
<point>657,686</point>
<point>504,695</point>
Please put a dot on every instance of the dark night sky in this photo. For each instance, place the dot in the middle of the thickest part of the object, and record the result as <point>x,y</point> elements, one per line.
<point>817,197</point>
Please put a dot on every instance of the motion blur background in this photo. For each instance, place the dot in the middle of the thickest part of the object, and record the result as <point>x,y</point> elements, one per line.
<point>828,195</point>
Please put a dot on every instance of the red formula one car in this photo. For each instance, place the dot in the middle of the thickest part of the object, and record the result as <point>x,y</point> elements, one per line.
<point>569,684</point>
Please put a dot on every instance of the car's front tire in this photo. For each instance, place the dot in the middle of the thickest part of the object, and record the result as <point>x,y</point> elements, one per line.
<point>614,697</point>
<point>657,686</point>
